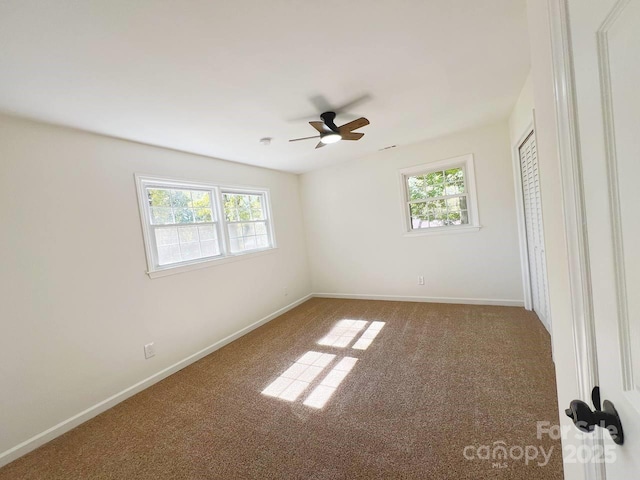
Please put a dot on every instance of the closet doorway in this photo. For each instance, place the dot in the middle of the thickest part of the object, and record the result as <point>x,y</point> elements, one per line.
<point>535,261</point>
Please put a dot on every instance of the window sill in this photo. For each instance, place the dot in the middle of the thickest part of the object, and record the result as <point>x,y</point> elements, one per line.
<point>163,272</point>
<point>443,231</point>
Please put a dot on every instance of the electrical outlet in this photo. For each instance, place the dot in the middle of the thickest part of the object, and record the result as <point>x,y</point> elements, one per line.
<point>420,280</point>
<point>149,350</point>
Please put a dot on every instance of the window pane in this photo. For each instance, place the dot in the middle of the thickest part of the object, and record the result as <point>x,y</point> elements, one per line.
<point>435,191</point>
<point>201,199</point>
<point>419,223</point>
<point>203,215</point>
<point>261,228</point>
<point>231,207</point>
<point>236,244</point>
<point>418,210</point>
<point>436,205</point>
<point>177,244</point>
<point>181,198</point>
<point>248,229</point>
<point>244,207</point>
<point>416,188</point>
<point>439,213</point>
<point>250,243</point>
<point>180,244</point>
<point>183,215</point>
<point>263,241</point>
<point>207,232</point>
<point>169,254</point>
<point>238,207</point>
<point>454,175</point>
<point>190,251</point>
<point>257,211</point>
<point>248,236</point>
<point>235,230</point>
<point>453,218</point>
<point>159,197</point>
<point>209,248</point>
<point>188,234</point>
<point>453,189</point>
<point>453,203</point>
<point>161,215</point>
<point>419,218</point>
<point>166,236</point>
<point>435,179</point>
<point>179,206</point>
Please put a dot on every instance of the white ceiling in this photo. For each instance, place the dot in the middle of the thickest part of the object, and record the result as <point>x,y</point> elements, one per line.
<point>213,77</point>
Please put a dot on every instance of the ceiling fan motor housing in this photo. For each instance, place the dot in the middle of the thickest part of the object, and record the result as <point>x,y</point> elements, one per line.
<point>328,119</point>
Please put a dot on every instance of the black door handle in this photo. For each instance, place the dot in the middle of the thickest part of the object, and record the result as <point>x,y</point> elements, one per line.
<point>586,420</point>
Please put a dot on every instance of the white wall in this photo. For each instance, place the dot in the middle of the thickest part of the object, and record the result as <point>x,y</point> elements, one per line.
<point>77,306</point>
<point>554,224</point>
<point>520,123</point>
<point>522,114</point>
<point>354,234</point>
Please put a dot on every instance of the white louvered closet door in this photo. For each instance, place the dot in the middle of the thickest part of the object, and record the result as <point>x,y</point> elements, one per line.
<point>533,224</point>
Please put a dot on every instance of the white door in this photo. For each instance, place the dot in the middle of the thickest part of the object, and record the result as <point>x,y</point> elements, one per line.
<point>605,39</point>
<point>533,226</point>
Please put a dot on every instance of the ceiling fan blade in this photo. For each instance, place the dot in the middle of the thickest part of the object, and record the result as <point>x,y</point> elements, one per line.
<point>304,138</point>
<point>353,103</point>
<point>359,123</point>
<point>352,136</point>
<point>319,126</point>
<point>320,145</point>
<point>320,103</point>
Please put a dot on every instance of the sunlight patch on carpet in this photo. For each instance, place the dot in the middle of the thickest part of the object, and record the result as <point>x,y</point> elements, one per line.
<point>298,376</point>
<point>368,336</point>
<point>343,333</point>
<point>321,394</point>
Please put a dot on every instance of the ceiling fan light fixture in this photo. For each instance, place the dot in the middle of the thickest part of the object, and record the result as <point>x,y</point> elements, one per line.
<point>329,132</point>
<point>330,138</point>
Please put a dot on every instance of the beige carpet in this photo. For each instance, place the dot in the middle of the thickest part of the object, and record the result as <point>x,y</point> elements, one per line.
<point>434,380</point>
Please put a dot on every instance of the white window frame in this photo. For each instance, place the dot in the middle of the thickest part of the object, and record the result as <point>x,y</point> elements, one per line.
<point>463,161</point>
<point>217,190</point>
<point>249,191</point>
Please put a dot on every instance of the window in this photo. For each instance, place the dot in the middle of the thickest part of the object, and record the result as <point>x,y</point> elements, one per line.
<point>182,225</point>
<point>246,221</point>
<point>186,223</point>
<point>440,196</point>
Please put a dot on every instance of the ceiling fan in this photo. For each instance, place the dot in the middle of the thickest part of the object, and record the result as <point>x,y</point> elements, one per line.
<point>331,133</point>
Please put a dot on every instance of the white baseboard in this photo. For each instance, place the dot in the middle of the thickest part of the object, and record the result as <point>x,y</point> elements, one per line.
<point>399,298</point>
<point>36,441</point>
